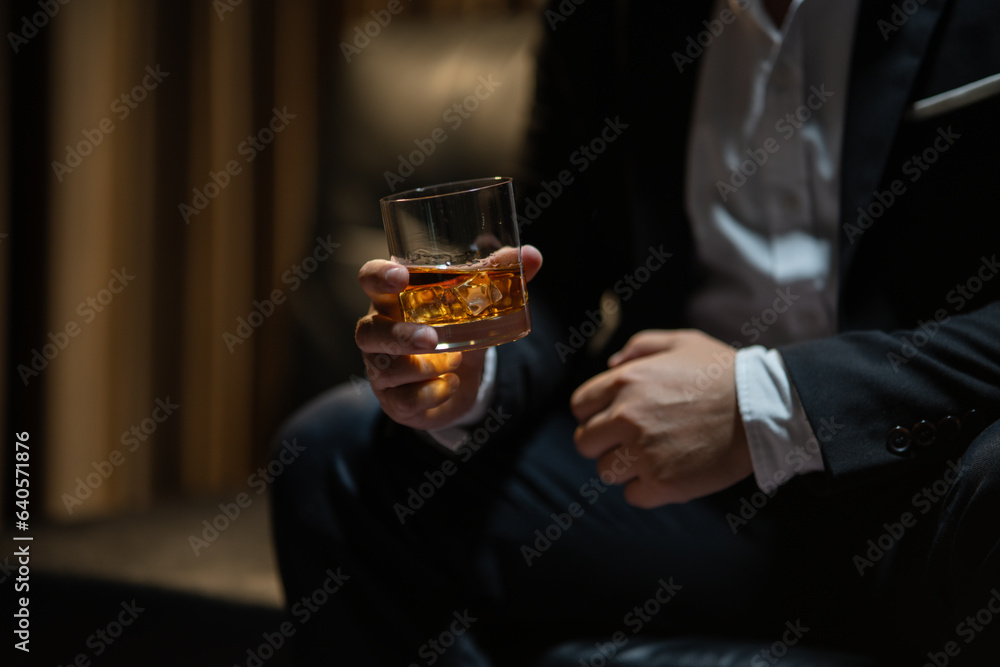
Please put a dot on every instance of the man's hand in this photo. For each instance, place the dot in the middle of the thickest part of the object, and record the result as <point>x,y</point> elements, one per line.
<point>663,420</point>
<point>416,387</point>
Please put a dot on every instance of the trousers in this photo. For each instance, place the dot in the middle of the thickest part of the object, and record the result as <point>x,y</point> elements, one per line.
<point>395,552</point>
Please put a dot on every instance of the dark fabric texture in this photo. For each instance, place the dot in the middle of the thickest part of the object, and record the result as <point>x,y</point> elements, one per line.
<point>917,283</point>
<point>697,652</point>
<point>504,552</point>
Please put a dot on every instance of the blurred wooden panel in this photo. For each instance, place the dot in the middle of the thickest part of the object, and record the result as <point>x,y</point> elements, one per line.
<point>300,72</point>
<point>99,383</point>
<point>112,214</point>
<point>218,383</point>
<point>354,9</point>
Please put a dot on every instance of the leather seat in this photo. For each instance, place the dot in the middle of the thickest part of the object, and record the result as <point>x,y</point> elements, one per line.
<point>695,652</point>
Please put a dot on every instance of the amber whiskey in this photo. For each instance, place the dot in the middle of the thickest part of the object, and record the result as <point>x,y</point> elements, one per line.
<point>442,296</point>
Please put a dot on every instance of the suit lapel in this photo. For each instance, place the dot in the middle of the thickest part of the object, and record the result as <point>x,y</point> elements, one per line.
<point>887,56</point>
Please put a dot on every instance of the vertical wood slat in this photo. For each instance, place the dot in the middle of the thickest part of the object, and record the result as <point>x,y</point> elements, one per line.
<point>218,384</point>
<point>76,415</point>
<point>295,177</point>
<point>133,199</point>
<point>105,216</point>
<point>99,383</point>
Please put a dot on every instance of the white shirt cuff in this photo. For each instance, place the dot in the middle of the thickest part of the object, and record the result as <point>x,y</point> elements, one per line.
<point>454,435</point>
<point>776,424</point>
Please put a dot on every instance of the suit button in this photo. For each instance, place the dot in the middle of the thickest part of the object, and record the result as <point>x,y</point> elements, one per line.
<point>924,433</point>
<point>898,440</point>
<point>948,428</point>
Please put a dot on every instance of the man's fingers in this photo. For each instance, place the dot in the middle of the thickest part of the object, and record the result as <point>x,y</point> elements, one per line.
<point>592,396</point>
<point>380,334</point>
<point>385,371</point>
<point>531,259</point>
<point>646,343</point>
<point>380,277</point>
<point>641,494</point>
<point>602,432</point>
<point>405,401</point>
<point>382,281</point>
<point>617,465</point>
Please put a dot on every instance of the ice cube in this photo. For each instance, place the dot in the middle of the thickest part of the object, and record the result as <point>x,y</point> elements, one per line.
<point>476,294</point>
<point>425,305</point>
<point>495,294</point>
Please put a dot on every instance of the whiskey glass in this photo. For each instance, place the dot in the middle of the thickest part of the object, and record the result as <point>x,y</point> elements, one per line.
<point>459,242</point>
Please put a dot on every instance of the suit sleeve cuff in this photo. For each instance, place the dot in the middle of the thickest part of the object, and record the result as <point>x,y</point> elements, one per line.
<point>454,435</point>
<point>775,421</point>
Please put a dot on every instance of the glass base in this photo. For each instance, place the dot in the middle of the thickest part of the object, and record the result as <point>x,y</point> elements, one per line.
<point>483,333</point>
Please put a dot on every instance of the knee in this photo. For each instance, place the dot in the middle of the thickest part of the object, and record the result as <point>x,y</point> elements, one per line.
<point>979,469</point>
<point>311,449</point>
<point>967,534</point>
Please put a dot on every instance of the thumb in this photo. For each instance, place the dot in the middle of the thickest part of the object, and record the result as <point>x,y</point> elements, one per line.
<point>531,258</point>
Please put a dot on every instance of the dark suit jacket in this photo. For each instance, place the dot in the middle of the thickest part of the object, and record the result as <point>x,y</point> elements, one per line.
<point>919,304</point>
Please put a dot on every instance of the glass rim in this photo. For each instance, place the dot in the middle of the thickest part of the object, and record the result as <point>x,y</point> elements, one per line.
<point>447,189</point>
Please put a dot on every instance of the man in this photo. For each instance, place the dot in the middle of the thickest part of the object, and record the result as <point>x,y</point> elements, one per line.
<point>804,187</point>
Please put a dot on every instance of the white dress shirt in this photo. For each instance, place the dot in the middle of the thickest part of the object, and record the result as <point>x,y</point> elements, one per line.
<point>763,199</point>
